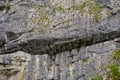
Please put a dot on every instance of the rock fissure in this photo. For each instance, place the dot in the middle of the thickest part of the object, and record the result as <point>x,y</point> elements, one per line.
<point>54,45</point>
<point>58,39</point>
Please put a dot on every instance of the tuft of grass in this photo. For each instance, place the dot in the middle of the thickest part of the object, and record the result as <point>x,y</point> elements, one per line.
<point>95,10</point>
<point>97,78</point>
<point>116,54</point>
<point>42,19</point>
<point>7,6</point>
<point>114,72</point>
<point>112,68</point>
<point>59,8</point>
<point>78,7</point>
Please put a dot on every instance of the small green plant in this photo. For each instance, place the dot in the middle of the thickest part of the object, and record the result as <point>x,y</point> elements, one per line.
<point>85,60</point>
<point>97,11</point>
<point>109,12</point>
<point>114,72</point>
<point>93,9</point>
<point>7,6</point>
<point>41,17</point>
<point>112,69</point>
<point>116,54</point>
<point>78,6</point>
<point>97,78</point>
<point>59,8</point>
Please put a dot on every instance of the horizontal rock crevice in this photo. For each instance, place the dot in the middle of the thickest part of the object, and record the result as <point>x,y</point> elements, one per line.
<point>51,43</point>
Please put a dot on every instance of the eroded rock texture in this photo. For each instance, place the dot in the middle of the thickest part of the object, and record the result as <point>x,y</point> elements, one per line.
<point>74,65</point>
<point>68,39</point>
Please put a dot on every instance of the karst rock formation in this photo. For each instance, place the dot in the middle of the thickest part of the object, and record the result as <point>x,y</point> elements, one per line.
<point>57,39</point>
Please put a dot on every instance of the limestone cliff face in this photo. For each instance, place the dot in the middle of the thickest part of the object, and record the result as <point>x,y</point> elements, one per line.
<point>74,65</point>
<point>57,39</point>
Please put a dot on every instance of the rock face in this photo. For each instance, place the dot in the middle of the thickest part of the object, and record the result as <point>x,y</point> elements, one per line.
<point>74,65</point>
<point>68,40</point>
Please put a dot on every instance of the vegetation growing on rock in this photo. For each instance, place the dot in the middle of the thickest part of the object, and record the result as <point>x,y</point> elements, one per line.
<point>7,6</point>
<point>112,68</point>
<point>116,54</point>
<point>97,78</point>
<point>46,17</point>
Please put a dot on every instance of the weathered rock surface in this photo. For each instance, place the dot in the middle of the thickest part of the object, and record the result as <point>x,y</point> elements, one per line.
<point>66,44</point>
<point>74,65</point>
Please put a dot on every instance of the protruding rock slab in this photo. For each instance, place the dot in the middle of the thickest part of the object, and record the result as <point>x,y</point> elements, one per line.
<point>65,39</point>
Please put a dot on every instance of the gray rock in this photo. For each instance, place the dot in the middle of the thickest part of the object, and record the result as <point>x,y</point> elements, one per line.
<point>71,47</point>
<point>3,37</point>
<point>56,42</point>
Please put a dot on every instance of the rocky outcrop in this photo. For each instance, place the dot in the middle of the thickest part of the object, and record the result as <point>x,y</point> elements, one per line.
<point>66,38</point>
<point>74,65</point>
<point>55,42</point>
